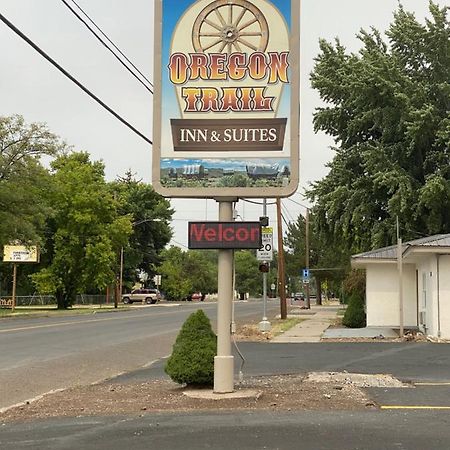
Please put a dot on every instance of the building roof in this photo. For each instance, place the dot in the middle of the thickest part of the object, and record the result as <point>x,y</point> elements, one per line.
<point>435,242</point>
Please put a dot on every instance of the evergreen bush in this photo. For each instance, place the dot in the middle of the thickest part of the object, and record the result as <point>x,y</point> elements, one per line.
<point>192,359</point>
<point>355,316</point>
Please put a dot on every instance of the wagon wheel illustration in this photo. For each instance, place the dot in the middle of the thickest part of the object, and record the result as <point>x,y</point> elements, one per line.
<point>230,25</point>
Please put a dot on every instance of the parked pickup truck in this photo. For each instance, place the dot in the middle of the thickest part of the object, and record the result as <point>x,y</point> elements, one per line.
<point>149,296</point>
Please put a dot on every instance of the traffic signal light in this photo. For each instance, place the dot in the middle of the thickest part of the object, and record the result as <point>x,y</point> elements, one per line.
<point>264,221</point>
<point>264,267</point>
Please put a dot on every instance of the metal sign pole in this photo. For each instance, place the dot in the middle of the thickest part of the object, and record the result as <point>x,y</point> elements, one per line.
<point>264,325</point>
<point>224,361</point>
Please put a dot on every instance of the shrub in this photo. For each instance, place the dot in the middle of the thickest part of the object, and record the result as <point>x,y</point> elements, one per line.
<point>192,359</point>
<point>355,316</point>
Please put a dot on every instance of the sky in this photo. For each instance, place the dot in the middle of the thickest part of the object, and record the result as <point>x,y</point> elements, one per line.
<point>31,87</point>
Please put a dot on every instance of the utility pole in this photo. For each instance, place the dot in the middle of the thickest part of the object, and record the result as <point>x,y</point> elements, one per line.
<point>281,277</point>
<point>308,301</point>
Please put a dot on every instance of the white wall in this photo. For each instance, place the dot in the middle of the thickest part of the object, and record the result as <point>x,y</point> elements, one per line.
<point>444,295</point>
<point>382,295</point>
<point>426,266</point>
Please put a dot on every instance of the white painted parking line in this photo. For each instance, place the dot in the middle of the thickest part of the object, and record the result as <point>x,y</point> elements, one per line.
<point>415,407</point>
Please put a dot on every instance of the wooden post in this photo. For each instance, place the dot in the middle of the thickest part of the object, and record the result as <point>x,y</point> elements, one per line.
<point>14,287</point>
<point>281,276</point>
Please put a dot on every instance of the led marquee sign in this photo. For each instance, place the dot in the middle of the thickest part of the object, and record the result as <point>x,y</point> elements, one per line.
<point>224,235</point>
<point>226,104</point>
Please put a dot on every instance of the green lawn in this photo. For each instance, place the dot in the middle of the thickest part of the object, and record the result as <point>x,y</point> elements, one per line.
<point>47,311</point>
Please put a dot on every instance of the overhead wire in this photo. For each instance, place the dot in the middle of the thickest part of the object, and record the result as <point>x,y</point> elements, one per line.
<point>298,203</point>
<point>286,210</point>
<point>72,78</point>
<point>257,203</point>
<point>113,44</point>
<point>179,243</point>
<point>106,45</point>
<point>284,220</point>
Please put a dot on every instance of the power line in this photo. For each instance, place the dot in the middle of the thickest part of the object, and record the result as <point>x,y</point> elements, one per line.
<point>299,204</point>
<point>179,243</point>
<point>114,45</point>
<point>284,220</point>
<point>71,78</point>
<point>256,203</point>
<point>284,207</point>
<point>106,45</point>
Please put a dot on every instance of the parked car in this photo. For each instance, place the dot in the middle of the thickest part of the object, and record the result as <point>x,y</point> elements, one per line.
<point>194,296</point>
<point>149,296</point>
<point>298,296</point>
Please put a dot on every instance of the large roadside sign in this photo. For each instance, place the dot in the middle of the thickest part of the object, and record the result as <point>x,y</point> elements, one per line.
<point>265,252</point>
<point>226,103</point>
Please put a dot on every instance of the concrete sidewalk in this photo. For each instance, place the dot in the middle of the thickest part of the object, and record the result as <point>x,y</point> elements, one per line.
<point>311,329</point>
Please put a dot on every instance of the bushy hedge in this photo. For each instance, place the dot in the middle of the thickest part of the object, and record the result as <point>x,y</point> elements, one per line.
<point>192,359</point>
<point>355,316</point>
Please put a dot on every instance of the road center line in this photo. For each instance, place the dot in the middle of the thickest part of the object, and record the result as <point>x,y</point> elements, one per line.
<point>76,322</point>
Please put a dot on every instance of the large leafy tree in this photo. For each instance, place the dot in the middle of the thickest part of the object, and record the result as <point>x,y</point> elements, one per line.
<point>23,179</point>
<point>151,214</point>
<point>86,230</point>
<point>24,182</point>
<point>327,263</point>
<point>185,272</point>
<point>387,108</point>
<point>247,276</point>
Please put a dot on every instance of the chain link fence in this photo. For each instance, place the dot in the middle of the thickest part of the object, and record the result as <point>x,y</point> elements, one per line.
<point>50,300</point>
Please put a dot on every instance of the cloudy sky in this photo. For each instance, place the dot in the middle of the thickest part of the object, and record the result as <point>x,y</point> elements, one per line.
<point>30,86</point>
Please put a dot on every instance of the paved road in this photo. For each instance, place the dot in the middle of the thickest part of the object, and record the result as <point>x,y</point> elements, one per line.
<point>367,430</point>
<point>42,354</point>
<point>424,366</point>
<point>404,429</point>
<point>407,361</point>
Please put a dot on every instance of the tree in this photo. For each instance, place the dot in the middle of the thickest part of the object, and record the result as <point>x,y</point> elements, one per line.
<point>321,256</point>
<point>85,230</point>
<point>247,276</point>
<point>387,109</point>
<point>202,267</point>
<point>24,183</point>
<point>23,179</point>
<point>184,272</point>
<point>151,214</point>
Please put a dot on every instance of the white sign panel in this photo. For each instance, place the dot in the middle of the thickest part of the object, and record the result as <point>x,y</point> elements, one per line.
<point>20,253</point>
<point>265,253</point>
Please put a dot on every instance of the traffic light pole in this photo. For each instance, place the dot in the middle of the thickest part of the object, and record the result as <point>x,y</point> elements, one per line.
<point>264,325</point>
<point>308,299</point>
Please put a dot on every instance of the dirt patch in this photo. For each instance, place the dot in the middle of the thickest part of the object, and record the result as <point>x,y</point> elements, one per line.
<point>356,379</point>
<point>274,393</point>
<point>251,333</point>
